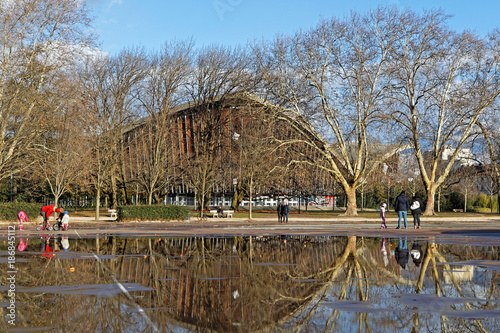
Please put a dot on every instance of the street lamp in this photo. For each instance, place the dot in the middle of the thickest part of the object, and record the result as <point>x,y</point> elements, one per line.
<point>410,180</point>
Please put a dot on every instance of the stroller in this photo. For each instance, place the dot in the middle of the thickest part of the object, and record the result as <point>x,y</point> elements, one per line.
<point>58,225</point>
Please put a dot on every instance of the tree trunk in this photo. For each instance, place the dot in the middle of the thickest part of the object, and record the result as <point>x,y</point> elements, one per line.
<point>114,192</point>
<point>439,200</point>
<point>351,209</point>
<point>97,202</point>
<point>465,201</point>
<point>250,201</point>
<point>202,196</point>
<point>431,193</point>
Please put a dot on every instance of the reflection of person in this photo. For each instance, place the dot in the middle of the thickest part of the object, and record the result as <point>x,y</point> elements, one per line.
<point>401,206</point>
<point>22,217</point>
<point>416,210</point>
<point>279,210</point>
<point>383,250</point>
<point>23,244</point>
<point>65,243</point>
<point>47,251</point>
<point>46,211</point>
<point>416,253</point>
<point>285,210</point>
<point>382,215</point>
<point>401,253</point>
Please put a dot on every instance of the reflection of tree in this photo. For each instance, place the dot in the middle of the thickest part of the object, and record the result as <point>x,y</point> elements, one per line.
<point>431,258</point>
<point>231,284</point>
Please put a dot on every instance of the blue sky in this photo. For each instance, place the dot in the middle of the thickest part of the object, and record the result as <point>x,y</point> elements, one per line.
<point>151,23</point>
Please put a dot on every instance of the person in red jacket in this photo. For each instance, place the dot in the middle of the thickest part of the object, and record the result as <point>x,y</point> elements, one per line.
<point>46,211</point>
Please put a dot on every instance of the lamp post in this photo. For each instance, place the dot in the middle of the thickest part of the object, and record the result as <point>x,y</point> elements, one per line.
<point>410,180</point>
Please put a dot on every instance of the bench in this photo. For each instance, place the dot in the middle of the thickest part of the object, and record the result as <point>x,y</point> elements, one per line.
<point>214,213</point>
<point>457,210</point>
<point>113,213</point>
<point>227,213</point>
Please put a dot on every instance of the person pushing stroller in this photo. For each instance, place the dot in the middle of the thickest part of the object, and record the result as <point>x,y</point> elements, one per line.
<point>45,212</point>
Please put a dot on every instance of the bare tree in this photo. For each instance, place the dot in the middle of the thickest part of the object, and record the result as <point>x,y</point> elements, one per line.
<point>108,95</point>
<point>38,38</point>
<point>492,143</point>
<point>219,73</point>
<point>162,90</point>
<point>63,161</point>
<point>443,82</point>
<point>256,149</point>
<point>333,81</point>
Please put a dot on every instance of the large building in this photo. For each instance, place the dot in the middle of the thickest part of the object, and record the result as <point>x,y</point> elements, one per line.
<point>206,147</point>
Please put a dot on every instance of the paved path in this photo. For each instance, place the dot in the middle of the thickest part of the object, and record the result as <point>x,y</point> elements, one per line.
<point>484,230</point>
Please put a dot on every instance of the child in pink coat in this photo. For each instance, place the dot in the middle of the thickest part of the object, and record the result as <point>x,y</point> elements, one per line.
<point>22,218</point>
<point>382,215</point>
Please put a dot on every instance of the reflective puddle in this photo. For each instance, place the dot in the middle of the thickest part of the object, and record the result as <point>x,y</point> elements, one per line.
<point>248,284</point>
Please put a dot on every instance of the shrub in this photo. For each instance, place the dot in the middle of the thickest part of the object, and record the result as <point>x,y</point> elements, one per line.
<point>152,213</point>
<point>8,211</point>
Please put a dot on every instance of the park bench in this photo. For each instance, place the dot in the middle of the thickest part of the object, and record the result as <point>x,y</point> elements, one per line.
<point>113,213</point>
<point>214,213</point>
<point>227,213</point>
<point>458,210</point>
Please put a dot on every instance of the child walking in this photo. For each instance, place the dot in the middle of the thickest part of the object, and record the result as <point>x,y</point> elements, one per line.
<point>65,220</point>
<point>382,215</point>
<point>22,218</point>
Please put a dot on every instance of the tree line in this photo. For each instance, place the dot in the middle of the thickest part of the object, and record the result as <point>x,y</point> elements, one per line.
<point>355,91</point>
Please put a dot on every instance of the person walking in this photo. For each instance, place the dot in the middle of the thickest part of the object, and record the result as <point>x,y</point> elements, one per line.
<point>285,210</point>
<point>65,220</point>
<point>401,206</point>
<point>382,215</point>
<point>279,210</point>
<point>22,217</point>
<point>416,210</point>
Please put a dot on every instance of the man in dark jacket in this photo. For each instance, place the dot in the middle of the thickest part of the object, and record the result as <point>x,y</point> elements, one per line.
<point>401,206</point>
<point>279,210</point>
<point>401,254</point>
<point>416,210</point>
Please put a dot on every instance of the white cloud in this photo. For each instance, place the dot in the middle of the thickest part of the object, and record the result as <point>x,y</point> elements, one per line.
<point>114,2</point>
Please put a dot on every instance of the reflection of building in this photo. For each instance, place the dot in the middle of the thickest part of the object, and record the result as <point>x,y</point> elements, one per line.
<point>458,274</point>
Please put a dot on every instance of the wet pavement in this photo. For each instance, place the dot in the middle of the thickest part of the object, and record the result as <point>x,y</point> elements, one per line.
<point>487,227</point>
<point>235,275</point>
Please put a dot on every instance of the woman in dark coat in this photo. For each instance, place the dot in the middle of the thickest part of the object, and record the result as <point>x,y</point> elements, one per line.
<point>416,210</point>
<point>279,210</point>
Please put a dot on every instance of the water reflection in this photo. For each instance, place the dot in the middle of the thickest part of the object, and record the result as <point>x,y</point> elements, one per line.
<point>247,284</point>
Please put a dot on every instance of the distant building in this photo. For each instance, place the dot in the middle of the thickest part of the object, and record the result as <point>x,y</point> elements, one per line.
<point>465,156</point>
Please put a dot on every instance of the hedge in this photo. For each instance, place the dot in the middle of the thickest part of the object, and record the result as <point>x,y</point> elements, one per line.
<point>8,211</point>
<point>152,213</point>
